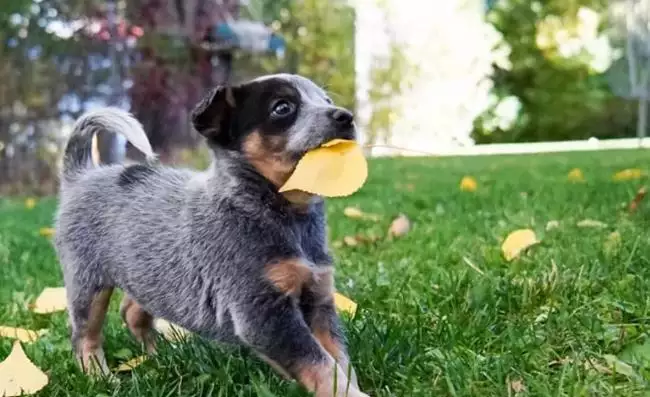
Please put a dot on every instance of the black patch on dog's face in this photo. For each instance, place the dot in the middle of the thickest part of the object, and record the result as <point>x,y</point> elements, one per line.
<point>133,175</point>
<point>273,121</point>
<point>283,105</point>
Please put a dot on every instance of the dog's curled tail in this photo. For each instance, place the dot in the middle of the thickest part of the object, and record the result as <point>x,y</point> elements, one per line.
<point>78,151</point>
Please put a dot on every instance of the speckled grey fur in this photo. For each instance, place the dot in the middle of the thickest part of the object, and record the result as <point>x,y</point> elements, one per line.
<point>191,247</point>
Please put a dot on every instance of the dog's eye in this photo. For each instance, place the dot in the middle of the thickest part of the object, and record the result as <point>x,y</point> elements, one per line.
<point>282,108</point>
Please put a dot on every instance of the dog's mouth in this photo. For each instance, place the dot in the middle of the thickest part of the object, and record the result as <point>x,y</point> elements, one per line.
<point>319,140</point>
<point>348,134</point>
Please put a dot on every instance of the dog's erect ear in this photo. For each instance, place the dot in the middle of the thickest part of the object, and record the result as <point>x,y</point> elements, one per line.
<point>211,117</point>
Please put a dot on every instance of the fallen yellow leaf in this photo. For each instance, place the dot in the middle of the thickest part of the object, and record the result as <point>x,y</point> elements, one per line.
<point>336,169</point>
<point>171,331</point>
<point>356,213</point>
<point>19,376</point>
<point>576,175</point>
<point>131,364</point>
<point>591,223</point>
<point>21,334</point>
<point>357,239</point>
<point>350,241</point>
<point>345,304</point>
<point>51,300</point>
<point>550,225</point>
<point>46,231</point>
<point>399,227</point>
<point>613,242</point>
<point>628,174</point>
<point>30,203</point>
<point>517,242</point>
<point>561,361</point>
<point>353,212</point>
<point>468,184</point>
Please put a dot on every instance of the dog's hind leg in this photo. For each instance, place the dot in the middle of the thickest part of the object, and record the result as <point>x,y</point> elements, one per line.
<point>140,323</point>
<point>87,310</point>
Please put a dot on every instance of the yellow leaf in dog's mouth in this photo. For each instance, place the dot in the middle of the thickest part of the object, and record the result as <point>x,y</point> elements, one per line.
<point>51,300</point>
<point>19,376</point>
<point>517,242</point>
<point>345,304</point>
<point>21,334</point>
<point>336,169</point>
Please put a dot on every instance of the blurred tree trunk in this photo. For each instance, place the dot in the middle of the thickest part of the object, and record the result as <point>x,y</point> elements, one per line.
<point>638,58</point>
<point>175,71</point>
<point>108,144</point>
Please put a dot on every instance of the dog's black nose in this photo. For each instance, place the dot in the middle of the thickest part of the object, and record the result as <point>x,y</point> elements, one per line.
<point>342,117</point>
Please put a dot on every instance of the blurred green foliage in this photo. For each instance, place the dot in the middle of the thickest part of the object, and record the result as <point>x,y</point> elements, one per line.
<point>320,43</point>
<point>561,97</point>
<point>54,62</point>
<point>389,77</point>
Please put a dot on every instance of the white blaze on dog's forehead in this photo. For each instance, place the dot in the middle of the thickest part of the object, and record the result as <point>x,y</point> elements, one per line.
<point>285,76</point>
<point>312,95</point>
<point>309,91</point>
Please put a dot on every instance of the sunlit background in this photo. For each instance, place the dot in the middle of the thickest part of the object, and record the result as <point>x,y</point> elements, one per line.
<point>423,77</point>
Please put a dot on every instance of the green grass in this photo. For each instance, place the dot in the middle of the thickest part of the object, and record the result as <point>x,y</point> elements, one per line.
<point>428,323</point>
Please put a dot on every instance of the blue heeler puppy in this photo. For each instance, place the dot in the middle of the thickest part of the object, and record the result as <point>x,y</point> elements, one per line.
<point>221,252</point>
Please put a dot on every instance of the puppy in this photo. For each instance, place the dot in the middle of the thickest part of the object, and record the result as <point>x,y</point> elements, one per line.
<point>221,252</point>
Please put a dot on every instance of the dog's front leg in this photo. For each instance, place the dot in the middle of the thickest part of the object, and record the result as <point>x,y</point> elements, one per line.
<point>279,334</point>
<point>272,324</point>
<point>325,325</point>
<point>317,305</point>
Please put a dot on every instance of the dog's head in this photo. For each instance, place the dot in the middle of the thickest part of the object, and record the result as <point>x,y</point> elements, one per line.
<point>273,121</point>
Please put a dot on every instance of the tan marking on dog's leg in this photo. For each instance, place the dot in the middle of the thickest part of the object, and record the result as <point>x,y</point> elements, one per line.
<point>324,337</point>
<point>322,285</point>
<point>323,290</point>
<point>277,367</point>
<point>90,347</point>
<point>139,322</point>
<point>289,276</point>
<point>329,344</point>
<point>327,380</point>
<point>278,331</point>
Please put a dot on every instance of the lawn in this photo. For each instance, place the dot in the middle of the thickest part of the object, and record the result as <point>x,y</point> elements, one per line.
<point>441,313</point>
